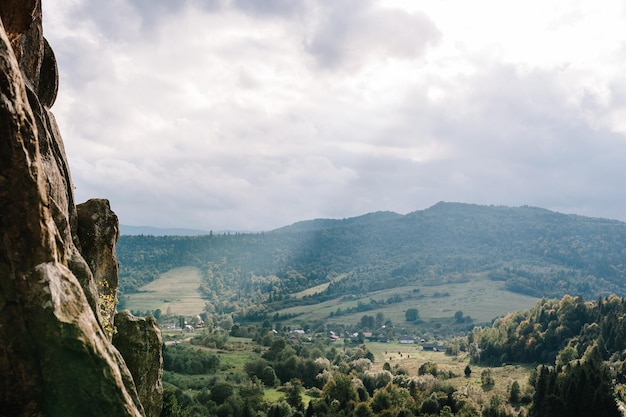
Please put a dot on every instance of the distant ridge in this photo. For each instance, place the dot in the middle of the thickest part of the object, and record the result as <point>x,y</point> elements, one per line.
<point>320,224</point>
<point>157,231</point>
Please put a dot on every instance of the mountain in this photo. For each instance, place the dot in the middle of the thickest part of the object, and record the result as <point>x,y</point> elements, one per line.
<point>533,251</point>
<point>157,231</point>
<point>320,224</point>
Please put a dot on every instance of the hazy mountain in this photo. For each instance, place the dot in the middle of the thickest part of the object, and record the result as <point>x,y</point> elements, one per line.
<point>157,231</point>
<point>533,250</point>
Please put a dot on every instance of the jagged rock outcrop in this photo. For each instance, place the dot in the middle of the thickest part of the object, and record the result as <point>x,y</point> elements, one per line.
<point>98,231</point>
<point>56,358</point>
<point>139,341</point>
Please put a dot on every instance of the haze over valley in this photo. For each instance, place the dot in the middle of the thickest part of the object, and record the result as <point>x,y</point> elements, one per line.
<point>525,252</point>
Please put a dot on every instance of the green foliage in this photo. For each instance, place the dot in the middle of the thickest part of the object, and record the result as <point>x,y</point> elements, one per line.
<point>515,393</point>
<point>381,401</point>
<point>581,389</point>
<point>294,394</point>
<point>496,408</point>
<point>171,408</point>
<point>213,339</point>
<point>221,391</point>
<point>568,326</point>
<point>533,251</point>
<point>186,360</point>
<point>486,378</point>
<point>341,389</point>
<point>576,335</point>
<point>411,314</point>
<point>458,316</point>
<point>428,368</point>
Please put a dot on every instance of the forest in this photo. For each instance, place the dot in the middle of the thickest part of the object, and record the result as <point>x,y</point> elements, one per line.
<point>563,357</point>
<point>531,250</point>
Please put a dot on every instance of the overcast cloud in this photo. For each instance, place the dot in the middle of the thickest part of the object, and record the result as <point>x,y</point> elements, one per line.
<point>250,115</point>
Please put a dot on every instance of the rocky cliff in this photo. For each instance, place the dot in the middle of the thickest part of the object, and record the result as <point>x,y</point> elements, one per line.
<point>58,271</point>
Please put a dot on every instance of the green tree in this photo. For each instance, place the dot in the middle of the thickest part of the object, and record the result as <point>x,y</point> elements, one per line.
<point>458,316</point>
<point>467,371</point>
<point>294,394</point>
<point>411,314</point>
<point>363,410</point>
<point>279,409</point>
<point>582,388</point>
<point>381,401</point>
<point>221,391</point>
<point>430,405</point>
<point>340,388</point>
<point>429,367</point>
<point>171,408</point>
<point>514,393</point>
<point>268,376</point>
<point>446,411</point>
<point>486,378</point>
<point>495,408</point>
<point>566,355</point>
<point>380,319</point>
<point>367,322</point>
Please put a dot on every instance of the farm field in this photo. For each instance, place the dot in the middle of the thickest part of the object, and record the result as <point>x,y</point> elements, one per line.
<point>480,298</point>
<point>175,292</point>
<point>411,356</point>
<point>318,288</point>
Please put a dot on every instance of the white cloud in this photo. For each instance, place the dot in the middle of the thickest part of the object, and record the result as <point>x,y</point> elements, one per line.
<point>236,114</point>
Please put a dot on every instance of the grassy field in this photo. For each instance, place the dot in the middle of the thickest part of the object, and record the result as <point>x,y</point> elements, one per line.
<point>272,395</point>
<point>318,288</point>
<point>480,298</point>
<point>174,292</point>
<point>411,357</point>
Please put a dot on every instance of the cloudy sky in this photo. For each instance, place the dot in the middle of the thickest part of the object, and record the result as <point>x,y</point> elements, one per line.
<point>250,115</point>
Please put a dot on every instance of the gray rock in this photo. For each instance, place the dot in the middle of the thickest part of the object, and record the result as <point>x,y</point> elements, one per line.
<point>139,341</point>
<point>56,359</point>
<point>98,231</point>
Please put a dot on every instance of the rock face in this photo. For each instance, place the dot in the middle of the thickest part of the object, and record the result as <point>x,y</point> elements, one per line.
<point>98,231</point>
<point>139,341</point>
<point>56,356</point>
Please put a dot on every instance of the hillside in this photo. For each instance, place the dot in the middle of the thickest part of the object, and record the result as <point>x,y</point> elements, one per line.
<point>528,250</point>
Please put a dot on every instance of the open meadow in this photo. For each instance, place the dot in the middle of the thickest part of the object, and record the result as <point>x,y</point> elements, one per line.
<point>175,292</point>
<point>480,298</point>
<point>411,356</point>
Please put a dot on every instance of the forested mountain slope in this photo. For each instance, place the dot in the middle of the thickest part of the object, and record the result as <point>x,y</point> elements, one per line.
<point>534,251</point>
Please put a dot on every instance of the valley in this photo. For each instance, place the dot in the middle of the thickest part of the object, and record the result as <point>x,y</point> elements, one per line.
<point>175,292</point>
<point>308,319</point>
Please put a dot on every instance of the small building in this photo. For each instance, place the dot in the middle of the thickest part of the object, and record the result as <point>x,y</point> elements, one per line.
<point>382,338</point>
<point>405,340</point>
<point>197,322</point>
<point>434,347</point>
